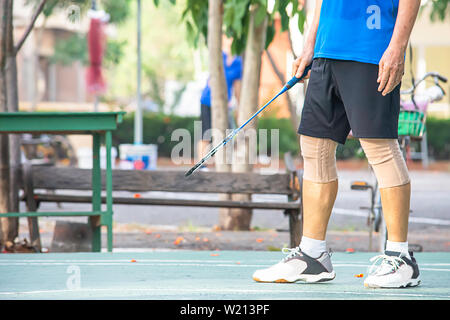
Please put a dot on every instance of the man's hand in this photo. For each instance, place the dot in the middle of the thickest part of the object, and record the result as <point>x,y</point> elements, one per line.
<point>299,65</point>
<point>391,69</point>
<point>392,64</point>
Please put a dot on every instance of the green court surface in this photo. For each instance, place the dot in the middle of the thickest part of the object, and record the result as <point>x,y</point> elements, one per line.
<point>197,275</point>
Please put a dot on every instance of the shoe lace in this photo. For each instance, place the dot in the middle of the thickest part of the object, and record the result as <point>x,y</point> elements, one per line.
<point>291,252</point>
<point>388,263</point>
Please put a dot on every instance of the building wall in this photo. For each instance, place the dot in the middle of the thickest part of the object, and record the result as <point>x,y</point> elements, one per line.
<point>270,83</point>
<point>37,77</point>
<point>55,82</point>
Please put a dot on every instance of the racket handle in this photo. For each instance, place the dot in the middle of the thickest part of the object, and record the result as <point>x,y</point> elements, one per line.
<point>295,80</point>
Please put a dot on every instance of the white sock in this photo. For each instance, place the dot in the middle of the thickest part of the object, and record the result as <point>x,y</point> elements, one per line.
<point>312,247</point>
<point>398,247</point>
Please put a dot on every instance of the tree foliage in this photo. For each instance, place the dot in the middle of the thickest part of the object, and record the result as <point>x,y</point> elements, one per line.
<point>118,11</point>
<point>52,6</point>
<point>166,55</point>
<point>440,10</point>
<point>74,48</point>
<point>236,19</point>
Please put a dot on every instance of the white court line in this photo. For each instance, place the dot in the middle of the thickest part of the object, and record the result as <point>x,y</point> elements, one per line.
<point>211,260</point>
<point>177,291</point>
<point>140,261</point>
<point>136,264</point>
<point>181,265</point>
<point>115,260</point>
<point>159,264</point>
<point>362,213</point>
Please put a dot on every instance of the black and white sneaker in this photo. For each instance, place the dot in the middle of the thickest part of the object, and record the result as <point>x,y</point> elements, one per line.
<point>297,266</point>
<point>394,271</point>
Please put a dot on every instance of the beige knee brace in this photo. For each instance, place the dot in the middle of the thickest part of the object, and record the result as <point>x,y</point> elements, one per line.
<point>385,157</point>
<point>319,159</point>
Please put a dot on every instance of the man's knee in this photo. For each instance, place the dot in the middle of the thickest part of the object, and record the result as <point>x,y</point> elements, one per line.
<point>319,159</point>
<point>386,159</point>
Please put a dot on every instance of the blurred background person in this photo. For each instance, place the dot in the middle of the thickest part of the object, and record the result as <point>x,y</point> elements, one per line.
<point>233,75</point>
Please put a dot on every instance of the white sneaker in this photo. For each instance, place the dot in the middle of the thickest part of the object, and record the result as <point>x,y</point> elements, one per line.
<point>298,266</point>
<point>394,271</point>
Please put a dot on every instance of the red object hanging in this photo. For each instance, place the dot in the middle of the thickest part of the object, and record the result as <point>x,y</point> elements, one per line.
<point>96,46</point>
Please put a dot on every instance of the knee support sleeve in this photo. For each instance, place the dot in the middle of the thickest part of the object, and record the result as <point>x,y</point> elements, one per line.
<point>319,159</point>
<point>386,159</point>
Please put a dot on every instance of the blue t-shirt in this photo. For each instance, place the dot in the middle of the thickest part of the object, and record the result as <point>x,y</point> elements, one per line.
<point>357,30</point>
<point>233,72</point>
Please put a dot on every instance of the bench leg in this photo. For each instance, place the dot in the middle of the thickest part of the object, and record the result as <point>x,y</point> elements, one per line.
<point>110,236</point>
<point>95,221</point>
<point>109,198</point>
<point>35,237</point>
<point>32,206</point>
<point>295,227</point>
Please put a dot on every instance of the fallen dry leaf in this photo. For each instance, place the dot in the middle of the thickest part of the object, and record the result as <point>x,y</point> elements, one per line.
<point>178,241</point>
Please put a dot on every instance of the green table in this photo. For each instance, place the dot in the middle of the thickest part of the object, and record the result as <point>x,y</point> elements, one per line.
<point>92,123</point>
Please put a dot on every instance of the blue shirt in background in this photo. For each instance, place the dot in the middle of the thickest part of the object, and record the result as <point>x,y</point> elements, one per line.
<point>357,30</point>
<point>233,72</point>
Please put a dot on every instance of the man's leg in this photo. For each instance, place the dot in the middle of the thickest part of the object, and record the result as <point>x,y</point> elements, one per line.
<point>387,161</point>
<point>318,200</point>
<point>395,202</point>
<point>323,116</point>
<point>319,191</point>
<point>310,262</point>
<point>398,268</point>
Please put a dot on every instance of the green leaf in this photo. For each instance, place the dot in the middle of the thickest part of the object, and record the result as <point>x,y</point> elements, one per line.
<point>301,20</point>
<point>284,20</point>
<point>260,15</point>
<point>270,34</point>
<point>191,33</point>
<point>238,46</point>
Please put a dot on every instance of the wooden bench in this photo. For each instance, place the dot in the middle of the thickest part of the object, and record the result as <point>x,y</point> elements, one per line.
<point>38,180</point>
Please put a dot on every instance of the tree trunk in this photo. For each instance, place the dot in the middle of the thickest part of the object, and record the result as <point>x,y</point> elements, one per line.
<point>11,225</point>
<point>240,219</point>
<point>9,101</point>
<point>5,204</point>
<point>219,95</point>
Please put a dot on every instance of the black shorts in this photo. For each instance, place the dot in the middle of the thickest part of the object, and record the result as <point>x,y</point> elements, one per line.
<point>205,117</point>
<point>342,96</point>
